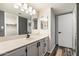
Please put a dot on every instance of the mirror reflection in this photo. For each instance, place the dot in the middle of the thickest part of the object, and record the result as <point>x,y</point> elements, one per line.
<point>16,19</point>
<point>44,23</point>
<point>19,19</point>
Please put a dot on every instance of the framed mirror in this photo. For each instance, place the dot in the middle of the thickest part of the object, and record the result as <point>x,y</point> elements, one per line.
<point>44,23</point>
<point>35,24</point>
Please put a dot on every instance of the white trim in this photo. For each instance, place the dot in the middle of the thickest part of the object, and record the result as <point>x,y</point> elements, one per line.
<point>17,25</point>
<point>5,23</point>
<point>51,49</point>
<point>5,20</point>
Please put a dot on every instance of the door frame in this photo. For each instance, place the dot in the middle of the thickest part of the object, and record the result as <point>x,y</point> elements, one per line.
<point>56,27</point>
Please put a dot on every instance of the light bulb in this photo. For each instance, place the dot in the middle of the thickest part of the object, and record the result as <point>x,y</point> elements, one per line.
<point>19,4</point>
<point>30,13</point>
<point>16,6</point>
<point>22,9</point>
<point>25,6</point>
<point>30,9</point>
<point>27,12</point>
<point>34,11</point>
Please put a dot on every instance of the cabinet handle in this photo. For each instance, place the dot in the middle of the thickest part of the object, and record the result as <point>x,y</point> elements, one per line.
<point>26,51</point>
<point>59,32</point>
<point>38,44</point>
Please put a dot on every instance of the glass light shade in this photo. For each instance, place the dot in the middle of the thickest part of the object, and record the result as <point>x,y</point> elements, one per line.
<point>34,11</point>
<point>25,6</point>
<point>30,9</point>
<point>22,9</point>
<point>16,6</point>
<point>19,4</point>
<point>43,18</point>
<point>30,13</point>
<point>27,12</point>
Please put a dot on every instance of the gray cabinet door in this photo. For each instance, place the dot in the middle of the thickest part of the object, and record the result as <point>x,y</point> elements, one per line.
<point>22,25</point>
<point>43,46</point>
<point>32,49</point>
<point>46,44</point>
<point>18,52</point>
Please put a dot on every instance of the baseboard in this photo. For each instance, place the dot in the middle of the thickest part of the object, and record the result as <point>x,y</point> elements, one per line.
<point>53,53</point>
<point>65,47</point>
<point>52,49</point>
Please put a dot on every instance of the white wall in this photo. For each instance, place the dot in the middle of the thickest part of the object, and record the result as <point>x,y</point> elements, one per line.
<point>75,28</point>
<point>52,30</point>
<point>11,27</point>
<point>56,29</point>
<point>49,13</point>
<point>45,13</point>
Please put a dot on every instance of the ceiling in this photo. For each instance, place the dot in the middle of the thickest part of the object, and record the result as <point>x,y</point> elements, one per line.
<point>59,8</point>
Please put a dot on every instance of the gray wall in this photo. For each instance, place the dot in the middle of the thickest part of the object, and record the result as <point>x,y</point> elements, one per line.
<point>77,29</point>
<point>1,23</point>
<point>22,25</point>
<point>52,29</point>
<point>56,30</point>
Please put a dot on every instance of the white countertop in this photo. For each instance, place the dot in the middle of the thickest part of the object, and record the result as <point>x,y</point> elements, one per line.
<point>8,45</point>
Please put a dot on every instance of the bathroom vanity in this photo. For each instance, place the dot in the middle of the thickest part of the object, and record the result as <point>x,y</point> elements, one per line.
<point>36,45</point>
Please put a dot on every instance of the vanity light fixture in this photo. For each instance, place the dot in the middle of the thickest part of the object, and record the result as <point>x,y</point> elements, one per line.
<point>44,18</point>
<point>27,12</point>
<point>30,9</point>
<point>31,14</point>
<point>34,11</point>
<point>16,6</point>
<point>22,9</point>
<point>25,8</point>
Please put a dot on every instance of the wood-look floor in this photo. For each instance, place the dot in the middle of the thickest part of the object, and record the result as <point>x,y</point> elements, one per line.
<point>61,51</point>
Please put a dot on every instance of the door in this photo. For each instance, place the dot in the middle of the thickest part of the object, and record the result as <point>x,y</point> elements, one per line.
<point>32,49</point>
<point>65,30</point>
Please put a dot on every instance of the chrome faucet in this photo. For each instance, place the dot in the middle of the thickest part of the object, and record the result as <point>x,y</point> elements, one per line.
<point>28,35</point>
